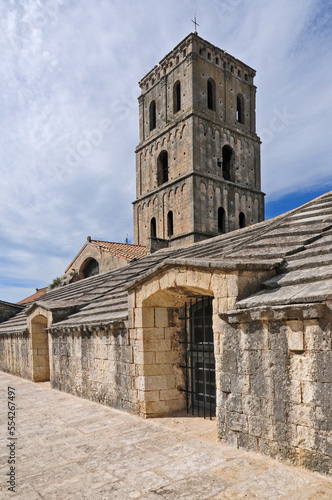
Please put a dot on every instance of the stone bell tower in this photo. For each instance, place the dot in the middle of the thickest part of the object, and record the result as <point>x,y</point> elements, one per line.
<point>198,160</point>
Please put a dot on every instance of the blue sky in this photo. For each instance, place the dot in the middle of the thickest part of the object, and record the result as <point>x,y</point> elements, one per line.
<point>69,113</point>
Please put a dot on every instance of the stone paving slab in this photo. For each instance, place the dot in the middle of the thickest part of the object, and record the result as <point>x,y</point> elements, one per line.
<point>72,449</point>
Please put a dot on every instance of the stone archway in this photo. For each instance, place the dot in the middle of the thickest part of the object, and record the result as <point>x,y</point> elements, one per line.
<point>163,381</point>
<point>40,350</point>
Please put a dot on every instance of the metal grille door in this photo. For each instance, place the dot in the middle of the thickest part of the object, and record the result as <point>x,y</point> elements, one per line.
<point>199,358</point>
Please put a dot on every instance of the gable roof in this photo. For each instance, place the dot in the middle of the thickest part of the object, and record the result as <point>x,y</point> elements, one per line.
<point>125,251</point>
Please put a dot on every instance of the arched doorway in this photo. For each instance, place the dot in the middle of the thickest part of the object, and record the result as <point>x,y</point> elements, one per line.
<point>200,362</point>
<point>40,350</point>
<point>177,353</point>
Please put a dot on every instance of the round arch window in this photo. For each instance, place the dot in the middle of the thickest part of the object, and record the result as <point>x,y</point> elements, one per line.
<point>90,267</point>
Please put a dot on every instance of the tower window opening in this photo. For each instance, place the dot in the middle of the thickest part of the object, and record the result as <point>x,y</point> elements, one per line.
<point>224,64</point>
<point>209,56</point>
<point>227,161</point>
<point>242,220</point>
<point>246,77</point>
<point>153,115</point>
<point>217,60</point>
<point>240,108</point>
<point>239,73</point>
<point>211,94</point>
<point>162,168</point>
<point>153,228</point>
<point>170,230</point>
<point>177,97</point>
<point>221,220</point>
<point>232,69</point>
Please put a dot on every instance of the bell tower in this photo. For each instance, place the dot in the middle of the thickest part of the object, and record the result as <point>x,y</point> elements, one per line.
<point>198,160</point>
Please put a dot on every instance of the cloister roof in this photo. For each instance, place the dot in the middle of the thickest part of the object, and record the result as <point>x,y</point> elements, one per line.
<point>298,244</point>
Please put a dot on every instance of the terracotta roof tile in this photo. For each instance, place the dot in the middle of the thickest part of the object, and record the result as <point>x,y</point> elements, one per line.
<point>34,296</point>
<point>125,251</point>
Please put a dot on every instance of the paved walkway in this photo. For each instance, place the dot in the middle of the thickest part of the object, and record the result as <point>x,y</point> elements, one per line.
<point>69,448</point>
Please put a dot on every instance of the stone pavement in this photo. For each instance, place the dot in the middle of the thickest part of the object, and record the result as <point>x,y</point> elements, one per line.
<point>69,448</point>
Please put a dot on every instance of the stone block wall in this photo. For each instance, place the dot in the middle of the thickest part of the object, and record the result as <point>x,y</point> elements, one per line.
<point>15,354</point>
<point>156,329</point>
<point>94,364</point>
<point>275,388</point>
<point>158,356</point>
<point>175,197</point>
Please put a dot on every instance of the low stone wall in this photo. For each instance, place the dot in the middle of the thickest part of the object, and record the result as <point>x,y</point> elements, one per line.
<point>94,364</point>
<point>15,354</point>
<point>275,385</point>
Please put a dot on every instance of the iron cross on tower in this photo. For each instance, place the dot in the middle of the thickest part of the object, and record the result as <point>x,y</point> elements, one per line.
<point>195,23</point>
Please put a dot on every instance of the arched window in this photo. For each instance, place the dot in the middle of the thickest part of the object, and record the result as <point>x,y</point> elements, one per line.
<point>153,228</point>
<point>227,163</point>
<point>162,168</point>
<point>240,108</point>
<point>153,116</point>
<point>177,97</point>
<point>242,220</point>
<point>170,231</point>
<point>211,94</point>
<point>221,220</point>
<point>90,267</point>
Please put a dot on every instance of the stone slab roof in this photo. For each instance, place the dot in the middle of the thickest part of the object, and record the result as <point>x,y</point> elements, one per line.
<point>297,243</point>
<point>306,274</point>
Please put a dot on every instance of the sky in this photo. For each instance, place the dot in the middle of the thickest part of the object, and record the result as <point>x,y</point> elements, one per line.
<point>69,113</point>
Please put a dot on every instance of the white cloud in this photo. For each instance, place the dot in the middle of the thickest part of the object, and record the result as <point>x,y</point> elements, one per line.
<point>67,66</point>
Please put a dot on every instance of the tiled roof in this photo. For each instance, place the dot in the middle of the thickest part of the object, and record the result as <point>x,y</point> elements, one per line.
<point>298,244</point>
<point>34,296</point>
<point>122,250</point>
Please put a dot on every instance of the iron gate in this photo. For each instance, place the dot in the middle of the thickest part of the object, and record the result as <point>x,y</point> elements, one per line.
<point>199,358</point>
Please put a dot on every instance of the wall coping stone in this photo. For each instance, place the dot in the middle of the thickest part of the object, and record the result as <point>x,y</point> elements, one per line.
<point>276,313</point>
<point>87,327</point>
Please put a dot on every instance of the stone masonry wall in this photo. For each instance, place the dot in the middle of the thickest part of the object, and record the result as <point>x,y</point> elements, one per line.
<point>94,364</point>
<point>15,354</point>
<point>156,329</point>
<point>275,389</point>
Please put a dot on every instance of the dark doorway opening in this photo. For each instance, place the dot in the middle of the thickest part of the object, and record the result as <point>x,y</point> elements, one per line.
<point>200,372</point>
